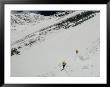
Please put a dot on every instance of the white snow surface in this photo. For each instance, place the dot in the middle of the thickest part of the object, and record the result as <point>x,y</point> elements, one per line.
<point>45,59</point>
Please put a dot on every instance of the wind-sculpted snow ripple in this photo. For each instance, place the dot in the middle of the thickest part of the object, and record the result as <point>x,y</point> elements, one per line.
<point>41,34</point>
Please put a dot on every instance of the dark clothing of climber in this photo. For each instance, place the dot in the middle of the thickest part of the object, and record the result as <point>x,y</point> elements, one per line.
<point>63,64</point>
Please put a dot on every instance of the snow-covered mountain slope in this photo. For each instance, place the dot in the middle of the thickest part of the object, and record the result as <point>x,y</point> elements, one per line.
<point>38,34</point>
<point>27,17</point>
<point>42,51</point>
<point>19,29</point>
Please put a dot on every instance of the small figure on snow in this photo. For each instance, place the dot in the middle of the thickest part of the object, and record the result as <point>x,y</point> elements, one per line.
<point>77,51</point>
<point>63,65</point>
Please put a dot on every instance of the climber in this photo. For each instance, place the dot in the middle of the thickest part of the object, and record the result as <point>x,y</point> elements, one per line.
<point>63,65</point>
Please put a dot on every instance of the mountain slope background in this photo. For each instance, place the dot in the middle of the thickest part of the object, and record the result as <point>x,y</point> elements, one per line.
<point>40,42</point>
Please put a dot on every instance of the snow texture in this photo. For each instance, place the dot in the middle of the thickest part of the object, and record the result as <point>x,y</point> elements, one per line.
<point>55,43</point>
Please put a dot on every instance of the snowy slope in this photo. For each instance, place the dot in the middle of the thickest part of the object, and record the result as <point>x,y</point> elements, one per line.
<point>37,21</point>
<point>45,58</point>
